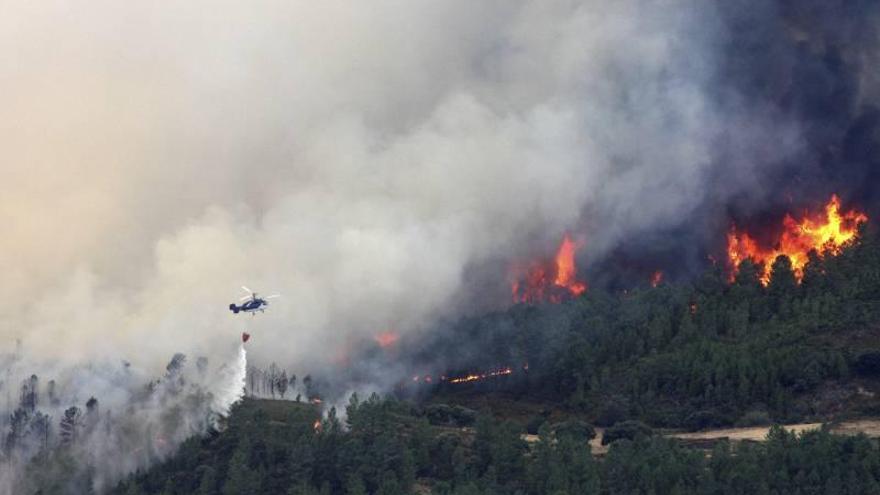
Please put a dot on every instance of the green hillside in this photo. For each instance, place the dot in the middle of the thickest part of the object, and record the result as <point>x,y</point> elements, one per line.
<point>698,355</point>
<point>707,353</point>
<point>388,447</point>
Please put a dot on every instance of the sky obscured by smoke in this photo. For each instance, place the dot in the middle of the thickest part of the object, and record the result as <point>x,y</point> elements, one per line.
<point>356,158</point>
<point>379,164</point>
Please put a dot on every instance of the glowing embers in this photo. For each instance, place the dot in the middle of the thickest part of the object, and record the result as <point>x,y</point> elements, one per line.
<point>825,231</point>
<point>656,278</point>
<point>468,378</point>
<point>481,376</point>
<point>386,339</point>
<point>552,280</point>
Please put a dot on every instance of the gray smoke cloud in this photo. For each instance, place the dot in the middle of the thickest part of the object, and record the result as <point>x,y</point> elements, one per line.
<point>357,158</point>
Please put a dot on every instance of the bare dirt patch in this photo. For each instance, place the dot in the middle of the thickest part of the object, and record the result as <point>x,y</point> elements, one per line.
<point>596,446</point>
<point>870,427</point>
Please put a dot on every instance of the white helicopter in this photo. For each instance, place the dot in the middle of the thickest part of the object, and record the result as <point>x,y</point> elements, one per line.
<point>252,303</point>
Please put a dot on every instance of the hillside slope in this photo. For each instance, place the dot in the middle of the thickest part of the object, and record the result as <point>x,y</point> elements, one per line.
<point>709,353</point>
<point>390,448</point>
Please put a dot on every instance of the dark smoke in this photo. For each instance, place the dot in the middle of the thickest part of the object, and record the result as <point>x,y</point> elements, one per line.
<point>803,72</point>
<point>809,67</point>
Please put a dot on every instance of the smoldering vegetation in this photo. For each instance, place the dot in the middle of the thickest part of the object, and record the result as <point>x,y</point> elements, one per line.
<point>59,439</point>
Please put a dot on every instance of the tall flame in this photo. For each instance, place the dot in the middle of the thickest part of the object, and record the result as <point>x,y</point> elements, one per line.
<point>566,272</point>
<point>550,281</point>
<point>827,231</point>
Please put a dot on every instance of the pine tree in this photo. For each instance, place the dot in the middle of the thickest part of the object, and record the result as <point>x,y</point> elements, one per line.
<point>272,379</point>
<point>782,286</point>
<point>18,427</point>
<point>281,383</point>
<point>29,393</point>
<point>52,393</point>
<point>355,486</point>
<point>307,383</point>
<point>41,426</point>
<point>70,425</point>
<point>241,477</point>
<point>92,415</point>
<point>208,481</point>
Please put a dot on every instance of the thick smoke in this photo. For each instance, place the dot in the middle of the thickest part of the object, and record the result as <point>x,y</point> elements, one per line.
<point>356,159</point>
<point>378,164</point>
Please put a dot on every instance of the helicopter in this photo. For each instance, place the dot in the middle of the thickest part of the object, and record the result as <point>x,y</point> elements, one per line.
<point>252,303</point>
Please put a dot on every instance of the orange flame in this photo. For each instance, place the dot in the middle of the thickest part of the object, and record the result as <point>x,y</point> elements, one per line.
<point>386,339</point>
<point>828,231</point>
<point>317,426</point>
<point>482,376</point>
<point>656,278</point>
<point>566,272</point>
<point>550,281</point>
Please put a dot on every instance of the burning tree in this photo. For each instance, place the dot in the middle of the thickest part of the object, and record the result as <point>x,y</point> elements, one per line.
<point>826,231</point>
<point>552,280</point>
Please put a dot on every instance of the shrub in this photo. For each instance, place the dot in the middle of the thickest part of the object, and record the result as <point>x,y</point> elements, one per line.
<point>701,420</point>
<point>612,412</point>
<point>576,429</point>
<point>754,418</point>
<point>445,415</point>
<point>534,424</point>
<point>629,430</point>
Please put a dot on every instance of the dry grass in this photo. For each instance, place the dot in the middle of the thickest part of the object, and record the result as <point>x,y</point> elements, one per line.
<point>870,427</point>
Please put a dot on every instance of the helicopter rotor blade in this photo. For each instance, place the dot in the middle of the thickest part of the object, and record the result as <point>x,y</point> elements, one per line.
<point>272,296</point>
<point>247,290</point>
<point>245,298</point>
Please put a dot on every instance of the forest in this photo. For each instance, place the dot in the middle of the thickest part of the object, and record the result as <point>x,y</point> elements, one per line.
<point>713,352</point>
<point>388,447</point>
<point>717,351</point>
